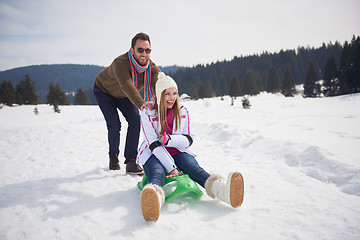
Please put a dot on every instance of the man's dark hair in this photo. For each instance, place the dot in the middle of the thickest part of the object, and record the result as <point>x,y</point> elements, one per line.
<point>142,36</point>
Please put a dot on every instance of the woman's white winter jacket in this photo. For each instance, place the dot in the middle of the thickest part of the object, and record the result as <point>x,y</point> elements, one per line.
<point>150,127</point>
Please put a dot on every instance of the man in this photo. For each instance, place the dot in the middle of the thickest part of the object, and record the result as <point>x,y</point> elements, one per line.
<point>118,87</point>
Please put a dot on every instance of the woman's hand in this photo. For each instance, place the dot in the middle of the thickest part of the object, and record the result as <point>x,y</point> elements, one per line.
<point>173,173</point>
<point>162,141</point>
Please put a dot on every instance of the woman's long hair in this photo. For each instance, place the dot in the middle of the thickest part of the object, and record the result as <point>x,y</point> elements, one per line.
<point>162,110</point>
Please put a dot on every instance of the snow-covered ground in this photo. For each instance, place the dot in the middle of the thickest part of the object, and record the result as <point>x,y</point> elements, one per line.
<point>300,159</point>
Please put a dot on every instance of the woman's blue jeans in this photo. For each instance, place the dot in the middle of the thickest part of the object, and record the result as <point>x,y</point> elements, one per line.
<point>109,106</point>
<point>155,172</point>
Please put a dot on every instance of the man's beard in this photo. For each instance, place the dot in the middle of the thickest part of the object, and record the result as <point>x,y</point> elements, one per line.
<point>138,61</point>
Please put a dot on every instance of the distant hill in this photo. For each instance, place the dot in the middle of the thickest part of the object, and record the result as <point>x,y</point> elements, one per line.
<point>170,69</point>
<point>70,77</point>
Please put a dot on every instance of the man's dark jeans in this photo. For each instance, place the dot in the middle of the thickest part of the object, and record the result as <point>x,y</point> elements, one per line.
<point>109,105</point>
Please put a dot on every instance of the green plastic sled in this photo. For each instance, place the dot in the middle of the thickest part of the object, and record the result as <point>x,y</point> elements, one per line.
<point>184,184</point>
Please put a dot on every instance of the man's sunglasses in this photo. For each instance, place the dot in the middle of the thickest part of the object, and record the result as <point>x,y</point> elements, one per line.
<point>141,50</point>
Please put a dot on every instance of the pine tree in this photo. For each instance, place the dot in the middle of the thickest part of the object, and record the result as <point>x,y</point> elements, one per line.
<point>250,83</point>
<point>26,92</point>
<point>210,90</point>
<point>56,107</point>
<point>205,90</point>
<point>331,78</point>
<point>350,67</point>
<point>274,83</point>
<point>194,93</point>
<point>311,87</point>
<point>234,88</point>
<point>345,65</point>
<point>288,84</point>
<point>81,97</point>
<point>18,98</point>
<point>56,94</point>
<point>202,91</point>
<point>259,83</point>
<point>91,96</point>
<point>356,64</point>
<point>50,97</point>
<point>7,93</point>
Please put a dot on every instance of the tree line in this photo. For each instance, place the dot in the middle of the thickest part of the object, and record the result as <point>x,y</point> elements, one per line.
<point>336,65</point>
<point>70,77</point>
<point>336,80</point>
<point>25,94</point>
<point>329,70</point>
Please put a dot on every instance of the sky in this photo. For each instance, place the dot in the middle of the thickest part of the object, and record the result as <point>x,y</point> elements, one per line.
<point>185,33</point>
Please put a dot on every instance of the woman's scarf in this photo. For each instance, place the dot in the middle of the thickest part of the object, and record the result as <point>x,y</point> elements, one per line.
<point>137,68</point>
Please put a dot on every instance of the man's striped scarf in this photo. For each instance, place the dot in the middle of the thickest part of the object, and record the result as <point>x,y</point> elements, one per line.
<point>137,68</point>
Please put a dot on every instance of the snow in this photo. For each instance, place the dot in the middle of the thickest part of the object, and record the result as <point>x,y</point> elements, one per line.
<point>299,158</point>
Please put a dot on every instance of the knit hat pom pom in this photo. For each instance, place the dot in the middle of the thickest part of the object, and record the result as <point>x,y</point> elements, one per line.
<point>161,75</point>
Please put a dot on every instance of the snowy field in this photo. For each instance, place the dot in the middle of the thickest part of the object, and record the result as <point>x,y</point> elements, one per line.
<point>300,159</point>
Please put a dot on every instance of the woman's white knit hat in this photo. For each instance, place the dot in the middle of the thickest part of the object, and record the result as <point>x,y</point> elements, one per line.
<point>163,83</point>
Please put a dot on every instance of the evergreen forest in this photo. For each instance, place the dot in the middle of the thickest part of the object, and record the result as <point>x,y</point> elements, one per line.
<point>337,65</point>
<point>330,70</point>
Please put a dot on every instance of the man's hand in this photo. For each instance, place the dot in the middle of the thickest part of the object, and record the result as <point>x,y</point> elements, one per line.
<point>148,105</point>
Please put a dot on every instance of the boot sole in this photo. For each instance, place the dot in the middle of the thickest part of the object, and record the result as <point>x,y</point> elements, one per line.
<point>136,173</point>
<point>236,190</point>
<point>150,205</point>
<point>114,168</point>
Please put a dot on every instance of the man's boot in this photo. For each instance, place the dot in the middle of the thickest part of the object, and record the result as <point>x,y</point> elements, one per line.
<point>114,163</point>
<point>132,168</point>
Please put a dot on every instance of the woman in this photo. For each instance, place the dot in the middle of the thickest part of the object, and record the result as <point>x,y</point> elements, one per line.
<point>165,150</point>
